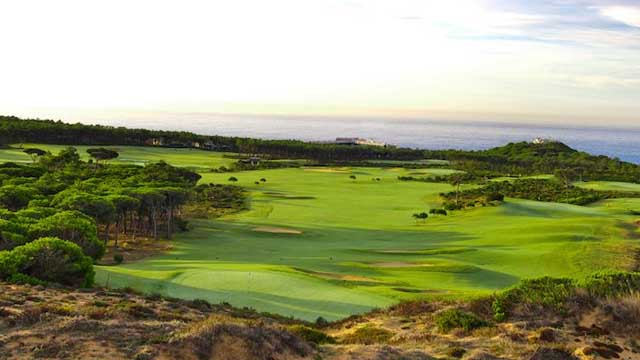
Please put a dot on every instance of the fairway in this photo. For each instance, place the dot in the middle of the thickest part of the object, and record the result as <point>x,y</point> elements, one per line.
<point>137,155</point>
<point>317,243</point>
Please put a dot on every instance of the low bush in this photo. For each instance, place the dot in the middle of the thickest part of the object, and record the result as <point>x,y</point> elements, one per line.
<point>118,258</point>
<point>547,292</point>
<point>8,264</point>
<point>458,319</point>
<point>18,278</point>
<point>311,335</point>
<point>48,260</point>
<point>368,335</point>
<point>72,226</point>
<point>611,283</point>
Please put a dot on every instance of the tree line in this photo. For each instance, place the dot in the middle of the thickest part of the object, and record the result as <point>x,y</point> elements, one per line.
<point>16,130</point>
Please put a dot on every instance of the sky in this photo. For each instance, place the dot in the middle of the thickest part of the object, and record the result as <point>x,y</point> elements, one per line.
<point>559,60</point>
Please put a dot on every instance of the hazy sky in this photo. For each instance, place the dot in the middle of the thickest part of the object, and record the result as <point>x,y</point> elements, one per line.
<point>561,59</point>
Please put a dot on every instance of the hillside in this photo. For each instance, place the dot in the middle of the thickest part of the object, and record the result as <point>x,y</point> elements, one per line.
<point>64,323</point>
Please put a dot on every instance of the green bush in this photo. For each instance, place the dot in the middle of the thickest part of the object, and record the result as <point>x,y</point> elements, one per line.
<point>72,226</point>
<point>458,319</point>
<point>15,197</point>
<point>548,292</point>
<point>36,212</point>
<point>368,335</point>
<point>311,335</point>
<point>19,278</point>
<point>118,258</point>
<point>611,283</point>
<point>50,260</point>
<point>8,264</point>
<point>9,240</point>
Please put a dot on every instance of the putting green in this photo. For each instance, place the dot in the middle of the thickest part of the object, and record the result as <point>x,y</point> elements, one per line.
<point>317,243</point>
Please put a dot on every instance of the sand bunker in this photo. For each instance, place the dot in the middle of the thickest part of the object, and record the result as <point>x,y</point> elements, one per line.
<point>276,230</point>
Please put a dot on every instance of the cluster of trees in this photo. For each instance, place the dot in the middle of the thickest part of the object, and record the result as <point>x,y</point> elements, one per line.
<point>429,179</point>
<point>75,204</point>
<point>423,216</point>
<point>523,158</point>
<point>214,200</point>
<point>16,130</point>
<point>552,190</point>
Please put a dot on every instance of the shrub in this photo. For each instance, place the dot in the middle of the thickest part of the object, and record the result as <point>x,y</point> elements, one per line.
<point>611,283</point>
<point>547,292</point>
<point>72,226</point>
<point>311,335</point>
<point>15,197</point>
<point>320,321</point>
<point>368,335</point>
<point>495,196</point>
<point>39,203</point>
<point>9,240</point>
<point>118,258</point>
<point>458,319</point>
<point>451,206</point>
<point>8,264</point>
<point>18,278</point>
<point>36,213</point>
<point>51,260</point>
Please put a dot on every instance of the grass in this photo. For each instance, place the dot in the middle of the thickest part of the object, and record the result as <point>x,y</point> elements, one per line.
<point>609,185</point>
<point>317,243</point>
<point>131,155</point>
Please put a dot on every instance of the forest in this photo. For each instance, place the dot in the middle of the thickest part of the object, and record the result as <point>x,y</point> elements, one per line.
<point>59,212</point>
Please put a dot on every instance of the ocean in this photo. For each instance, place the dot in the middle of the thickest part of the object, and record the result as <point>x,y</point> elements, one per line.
<point>620,142</point>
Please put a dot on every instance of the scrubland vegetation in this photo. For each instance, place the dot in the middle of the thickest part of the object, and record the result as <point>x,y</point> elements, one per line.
<point>596,317</point>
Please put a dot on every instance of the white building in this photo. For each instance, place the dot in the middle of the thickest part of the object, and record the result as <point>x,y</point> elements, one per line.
<point>358,141</point>
<point>541,140</point>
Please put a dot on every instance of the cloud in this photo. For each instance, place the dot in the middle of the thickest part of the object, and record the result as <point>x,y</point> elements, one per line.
<point>628,15</point>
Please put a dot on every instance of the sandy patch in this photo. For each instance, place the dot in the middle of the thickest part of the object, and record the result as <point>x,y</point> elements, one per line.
<point>276,230</point>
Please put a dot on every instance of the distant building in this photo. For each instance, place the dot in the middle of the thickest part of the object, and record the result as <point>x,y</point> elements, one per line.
<point>358,141</point>
<point>253,161</point>
<point>154,142</point>
<point>541,140</point>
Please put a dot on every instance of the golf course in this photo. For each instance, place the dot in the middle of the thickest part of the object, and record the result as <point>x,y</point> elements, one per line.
<point>335,241</point>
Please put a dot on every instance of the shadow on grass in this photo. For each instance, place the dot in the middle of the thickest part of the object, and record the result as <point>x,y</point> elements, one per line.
<point>306,309</point>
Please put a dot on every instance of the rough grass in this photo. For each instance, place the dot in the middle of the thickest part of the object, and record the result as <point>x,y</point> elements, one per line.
<point>41,322</point>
